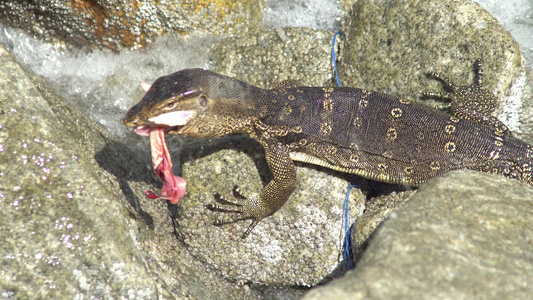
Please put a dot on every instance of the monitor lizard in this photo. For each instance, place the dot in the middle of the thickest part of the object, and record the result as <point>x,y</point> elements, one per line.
<point>371,134</point>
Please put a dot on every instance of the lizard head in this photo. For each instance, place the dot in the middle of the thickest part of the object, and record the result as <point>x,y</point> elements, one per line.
<point>187,103</point>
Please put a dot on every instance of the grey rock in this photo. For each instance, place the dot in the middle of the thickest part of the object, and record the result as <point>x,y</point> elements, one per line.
<point>266,57</point>
<point>465,235</point>
<point>437,245</point>
<point>66,228</point>
<point>76,183</point>
<point>301,244</point>
<point>376,211</point>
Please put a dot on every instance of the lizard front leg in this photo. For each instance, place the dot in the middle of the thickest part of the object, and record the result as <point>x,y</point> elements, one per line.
<point>271,198</point>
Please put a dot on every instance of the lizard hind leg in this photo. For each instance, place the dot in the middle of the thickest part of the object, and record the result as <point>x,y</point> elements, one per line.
<point>239,210</point>
<point>471,102</point>
<point>466,98</point>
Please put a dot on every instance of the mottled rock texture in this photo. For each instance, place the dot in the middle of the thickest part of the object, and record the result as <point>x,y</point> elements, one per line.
<point>70,222</point>
<point>74,220</point>
<point>464,235</point>
<point>127,24</point>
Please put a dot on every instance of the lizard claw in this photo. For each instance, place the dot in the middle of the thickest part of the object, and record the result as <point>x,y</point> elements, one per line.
<point>224,205</point>
<point>449,87</point>
<point>471,102</point>
<point>224,201</point>
<point>237,193</point>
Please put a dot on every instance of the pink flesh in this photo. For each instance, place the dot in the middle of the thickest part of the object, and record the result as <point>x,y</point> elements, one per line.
<point>173,186</point>
<point>174,118</point>
<point>145,86</point>
<point>144,131</point>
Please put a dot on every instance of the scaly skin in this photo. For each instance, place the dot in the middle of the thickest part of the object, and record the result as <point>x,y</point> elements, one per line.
<point>371,134</point>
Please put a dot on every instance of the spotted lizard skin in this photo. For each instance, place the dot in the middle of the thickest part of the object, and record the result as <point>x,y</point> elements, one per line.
<point>370,134</point>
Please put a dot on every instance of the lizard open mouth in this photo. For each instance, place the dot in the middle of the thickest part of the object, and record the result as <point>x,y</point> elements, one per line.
<point>173,119</point>
<point>170,122</point>
<point>174,187</point>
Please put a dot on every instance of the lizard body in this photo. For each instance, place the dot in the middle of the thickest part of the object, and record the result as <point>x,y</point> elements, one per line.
<point>371,134</point>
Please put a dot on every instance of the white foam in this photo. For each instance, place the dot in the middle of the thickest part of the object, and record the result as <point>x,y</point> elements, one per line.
<point>104,84</point>
<point>317,14</point>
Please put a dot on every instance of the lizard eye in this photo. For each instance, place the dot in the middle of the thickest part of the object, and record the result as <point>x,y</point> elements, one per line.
<point>202,101</point>
<point>171,102</point>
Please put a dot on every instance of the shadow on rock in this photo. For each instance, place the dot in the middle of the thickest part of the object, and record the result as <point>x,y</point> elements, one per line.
<point>194,149</point>
<point>119,160</point>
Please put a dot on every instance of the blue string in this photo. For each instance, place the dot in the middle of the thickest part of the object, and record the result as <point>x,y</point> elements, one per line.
<point>346,208</point>
<point>334,59</point>
<point>347,221</point>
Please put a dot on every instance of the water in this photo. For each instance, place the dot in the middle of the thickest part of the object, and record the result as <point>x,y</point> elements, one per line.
<point>318,14</point>
<point>103,83</point>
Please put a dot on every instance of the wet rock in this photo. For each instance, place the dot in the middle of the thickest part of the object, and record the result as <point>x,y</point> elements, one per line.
<point>127,24</point>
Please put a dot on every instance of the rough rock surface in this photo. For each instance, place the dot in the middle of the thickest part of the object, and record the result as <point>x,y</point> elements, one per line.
<point>389,46</point>
<point>66,228</point>
<point>464,235</point>
<point>127,24</point>
<point>301,244</point>
<point>266,57</point>
<point>74,220</point>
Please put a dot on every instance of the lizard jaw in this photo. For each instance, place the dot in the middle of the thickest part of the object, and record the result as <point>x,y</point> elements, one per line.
<point>171,121</point>
<point>173,118</point>
<point>142,130</point>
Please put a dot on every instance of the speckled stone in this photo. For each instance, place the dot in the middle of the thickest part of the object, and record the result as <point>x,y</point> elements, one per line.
<point>125,23</point>
<point>390,45</point>
<point>464,235</point>
<point>265,58</point>
<point>301,244</point>
<point>49,203</point>
<point>376,211</point>
<point>71,223</point>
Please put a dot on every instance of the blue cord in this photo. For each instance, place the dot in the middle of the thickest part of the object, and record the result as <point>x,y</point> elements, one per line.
<point>347,221</point>
<point>346,208</point>
<point>333,57</point>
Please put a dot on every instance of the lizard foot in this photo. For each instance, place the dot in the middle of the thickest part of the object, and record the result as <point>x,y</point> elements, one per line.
<point>224,205</point>
<point>453,91</point>
<point>471,102</point>
<point>469,97</point>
